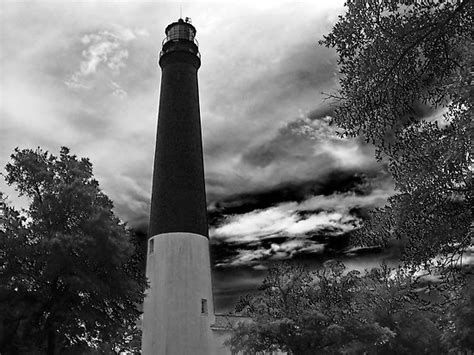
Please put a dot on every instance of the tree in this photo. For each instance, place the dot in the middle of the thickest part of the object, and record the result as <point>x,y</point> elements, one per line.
<point>396,299</point>
<point>307,313</point>
<point>405,74</point>
<point>332,311</point>
<point>459,326</point>
<point>70,276</point>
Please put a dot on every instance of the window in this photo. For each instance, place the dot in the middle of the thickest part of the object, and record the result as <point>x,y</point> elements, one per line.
<point>203,306</point>
<point>180,31</point>
<point>150,248</point>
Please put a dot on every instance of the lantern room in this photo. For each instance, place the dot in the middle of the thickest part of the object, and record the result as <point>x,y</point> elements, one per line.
<point>180,37</point>
<point>181,30</point>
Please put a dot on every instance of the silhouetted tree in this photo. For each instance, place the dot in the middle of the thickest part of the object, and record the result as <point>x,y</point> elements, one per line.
<point>70,276</point>
<point>405,73</point>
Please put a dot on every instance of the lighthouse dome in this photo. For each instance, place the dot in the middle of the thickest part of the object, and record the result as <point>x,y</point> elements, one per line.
<point>180,30</point>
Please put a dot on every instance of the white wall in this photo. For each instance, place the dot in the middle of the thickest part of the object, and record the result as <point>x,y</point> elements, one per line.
<point>179,273</point>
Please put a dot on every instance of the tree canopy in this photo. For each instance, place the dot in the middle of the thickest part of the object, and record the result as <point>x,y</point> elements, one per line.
<point>70,274</point>
<point>306,313</point>
<point>333,311</point>
<point>405,75</point>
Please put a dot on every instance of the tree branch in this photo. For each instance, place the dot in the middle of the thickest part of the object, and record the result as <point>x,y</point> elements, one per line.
<point>420,40</point>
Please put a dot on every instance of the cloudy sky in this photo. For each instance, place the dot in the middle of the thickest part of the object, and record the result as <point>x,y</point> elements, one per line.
<point>281,184</point>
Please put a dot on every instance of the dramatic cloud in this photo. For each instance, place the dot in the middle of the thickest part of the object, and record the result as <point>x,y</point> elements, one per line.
<point>338,201</point>
<point>282,220</point>
<point>301,150</point>
<point>104,49</point>
<point>289,229</point>
<point>302,183</point>
<point>257,257</point>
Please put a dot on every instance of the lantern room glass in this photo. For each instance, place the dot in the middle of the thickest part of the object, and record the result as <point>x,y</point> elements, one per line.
<point>180,31</point>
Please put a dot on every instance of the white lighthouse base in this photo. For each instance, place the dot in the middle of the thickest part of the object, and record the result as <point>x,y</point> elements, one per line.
<point>178,307</point>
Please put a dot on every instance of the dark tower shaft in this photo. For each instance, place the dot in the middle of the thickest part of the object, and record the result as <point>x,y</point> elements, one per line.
<point>179,199</point>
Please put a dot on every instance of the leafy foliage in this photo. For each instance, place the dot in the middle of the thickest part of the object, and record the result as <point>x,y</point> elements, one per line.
<point>307,313</point>
<point>459,327</point>
<point>405,73</point>
<point>332,311</point>
<point>70,276</point>
<point>395,298</point>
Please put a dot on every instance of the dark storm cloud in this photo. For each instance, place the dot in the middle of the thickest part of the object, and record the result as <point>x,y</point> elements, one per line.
<point>289,72</point>
<point>313,249</point>
<point>294,221</point>
<point>258,256</point>
<point>337,181</point>
<point>301,150</point>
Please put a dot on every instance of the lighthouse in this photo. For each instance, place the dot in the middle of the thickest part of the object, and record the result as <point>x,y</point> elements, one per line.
<point>178,307</point>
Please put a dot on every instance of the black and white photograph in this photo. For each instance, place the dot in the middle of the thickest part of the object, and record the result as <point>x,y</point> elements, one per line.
<point>236,177</point>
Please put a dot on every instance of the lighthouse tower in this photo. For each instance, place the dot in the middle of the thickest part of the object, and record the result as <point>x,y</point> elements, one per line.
<point>178,307</point>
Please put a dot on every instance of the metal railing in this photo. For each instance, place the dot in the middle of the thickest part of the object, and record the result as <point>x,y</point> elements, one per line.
<point>170,39</point>
<point>198,54</point>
